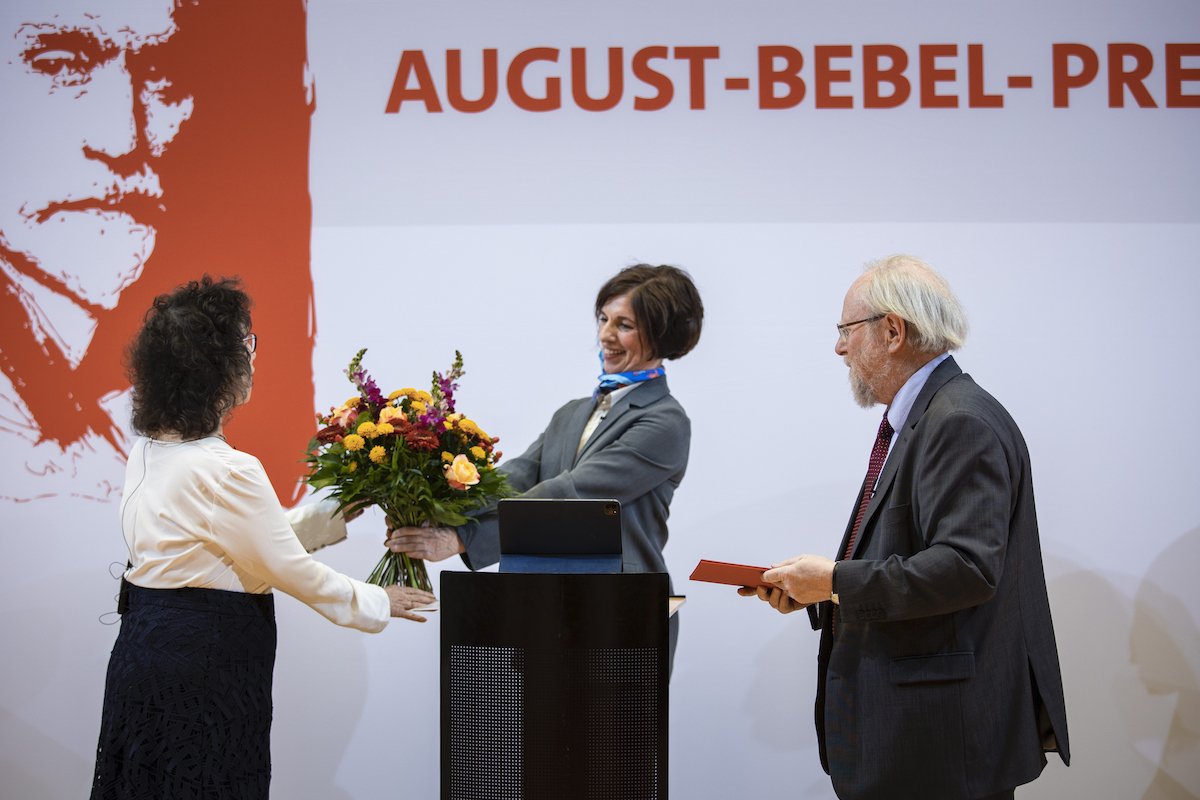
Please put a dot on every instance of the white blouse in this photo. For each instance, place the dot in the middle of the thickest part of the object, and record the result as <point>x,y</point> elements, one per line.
<point>202,514</point>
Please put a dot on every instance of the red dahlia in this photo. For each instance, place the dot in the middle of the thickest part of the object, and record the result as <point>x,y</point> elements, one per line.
<point>329,434</point>
<point>421,440</point>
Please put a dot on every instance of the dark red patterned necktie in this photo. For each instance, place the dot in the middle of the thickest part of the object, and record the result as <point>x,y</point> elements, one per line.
<point>878,456</point>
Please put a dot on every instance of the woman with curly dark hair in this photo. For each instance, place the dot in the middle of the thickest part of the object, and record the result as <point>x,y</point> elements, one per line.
<point>187,700</point>
<point>629,441</point>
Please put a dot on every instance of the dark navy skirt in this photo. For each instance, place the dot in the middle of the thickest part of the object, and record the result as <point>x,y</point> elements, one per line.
<point>187,701</point>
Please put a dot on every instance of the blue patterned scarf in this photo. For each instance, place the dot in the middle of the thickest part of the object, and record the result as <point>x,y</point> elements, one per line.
<point>615,380</point>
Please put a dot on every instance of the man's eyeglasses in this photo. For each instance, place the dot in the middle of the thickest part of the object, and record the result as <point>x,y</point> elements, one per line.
<point>251,342</point>
<point>844,327</point>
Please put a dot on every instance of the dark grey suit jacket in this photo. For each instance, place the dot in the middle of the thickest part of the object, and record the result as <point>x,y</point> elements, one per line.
<point>637,455</point>
<point>939,676</point>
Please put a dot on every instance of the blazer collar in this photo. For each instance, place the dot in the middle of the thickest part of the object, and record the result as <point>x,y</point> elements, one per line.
<point>648,393</point>
<point>945,371</point>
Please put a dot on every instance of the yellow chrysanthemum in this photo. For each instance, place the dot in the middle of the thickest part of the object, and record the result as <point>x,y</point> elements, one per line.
<point>471,428</point>
<point>353,442</point>
<point>448,425</point>
<point>378,454</point>
<point>368,430</point>
<point>422,397</point>
<point>353,466</point>
<point>418,406</point>
<point>353,401</point>
<point>478,452</point>
<point>400,393</point>
<point>447,456</point>
<point>385,428</point>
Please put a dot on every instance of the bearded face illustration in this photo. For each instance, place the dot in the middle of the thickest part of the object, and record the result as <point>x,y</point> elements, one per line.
<point>145,144</point>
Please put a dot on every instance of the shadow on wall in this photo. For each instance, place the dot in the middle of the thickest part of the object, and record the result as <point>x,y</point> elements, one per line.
<point>1130,651</point>
<point>36,643</point>
<point>23,779</point>
<point>783,662</point>
<point>1164,645</point>
<point>1108,709</point>
<point>780,702</point>
<point>52,663</point>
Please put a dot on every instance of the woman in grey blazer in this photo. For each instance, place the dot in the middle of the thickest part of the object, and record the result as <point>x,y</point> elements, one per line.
<point>629,441</point>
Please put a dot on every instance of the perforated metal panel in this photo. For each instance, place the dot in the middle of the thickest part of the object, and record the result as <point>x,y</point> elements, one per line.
<point>554,686</point>
<point>507,745</point>
<point>486,722</point>
<point>622,724</point>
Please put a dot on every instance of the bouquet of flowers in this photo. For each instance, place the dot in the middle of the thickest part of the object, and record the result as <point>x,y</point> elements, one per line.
<point>410,454</point>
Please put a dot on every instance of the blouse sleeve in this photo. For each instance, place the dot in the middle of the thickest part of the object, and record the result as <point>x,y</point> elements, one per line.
<point>249,525</point>
<point>317,525</point>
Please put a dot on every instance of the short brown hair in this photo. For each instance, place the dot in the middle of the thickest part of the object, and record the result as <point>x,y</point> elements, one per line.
<point>666,306</point>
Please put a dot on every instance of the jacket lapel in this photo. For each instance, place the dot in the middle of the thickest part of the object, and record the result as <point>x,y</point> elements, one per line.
<point>649,392</point>
<point>937,379</point>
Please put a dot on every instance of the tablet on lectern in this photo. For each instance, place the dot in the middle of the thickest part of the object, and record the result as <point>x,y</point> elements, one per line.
<point>547,535</point>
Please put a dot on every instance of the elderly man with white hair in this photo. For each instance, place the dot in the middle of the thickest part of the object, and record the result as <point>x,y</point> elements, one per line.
<point>938,671</point>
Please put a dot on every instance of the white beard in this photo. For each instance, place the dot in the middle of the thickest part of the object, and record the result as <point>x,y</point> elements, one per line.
<point>864,394</point>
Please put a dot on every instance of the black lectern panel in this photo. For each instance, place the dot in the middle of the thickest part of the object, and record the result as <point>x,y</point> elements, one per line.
<point>554,686</point>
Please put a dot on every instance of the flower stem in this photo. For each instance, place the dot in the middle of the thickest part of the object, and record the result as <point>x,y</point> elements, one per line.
<point>399,568</point>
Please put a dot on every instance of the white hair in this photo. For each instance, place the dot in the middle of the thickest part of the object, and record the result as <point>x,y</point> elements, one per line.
<point>907,286</point>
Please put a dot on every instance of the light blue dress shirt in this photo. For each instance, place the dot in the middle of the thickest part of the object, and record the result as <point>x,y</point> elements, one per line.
<point>902,403</point>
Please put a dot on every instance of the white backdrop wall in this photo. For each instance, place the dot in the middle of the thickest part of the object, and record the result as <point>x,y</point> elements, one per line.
<point>1071,235</point>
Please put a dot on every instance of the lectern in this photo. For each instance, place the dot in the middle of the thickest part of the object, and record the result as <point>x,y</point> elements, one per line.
<point>553,686</point>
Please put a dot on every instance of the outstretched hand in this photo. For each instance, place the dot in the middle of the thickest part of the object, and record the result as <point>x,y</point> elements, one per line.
<point>429,543</point>
<point>405,597</point>
<point>797,582</point>
<point>807,579</point>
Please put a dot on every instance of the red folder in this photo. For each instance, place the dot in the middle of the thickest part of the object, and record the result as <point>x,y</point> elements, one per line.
<point>732,574</point>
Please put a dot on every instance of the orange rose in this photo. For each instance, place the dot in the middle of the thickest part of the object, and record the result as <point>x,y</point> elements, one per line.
<point>390,414</point>
<point>344,416</point>
<point>461,473</point>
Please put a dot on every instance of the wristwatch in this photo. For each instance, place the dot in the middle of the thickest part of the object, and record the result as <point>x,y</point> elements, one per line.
<point>833,594</point>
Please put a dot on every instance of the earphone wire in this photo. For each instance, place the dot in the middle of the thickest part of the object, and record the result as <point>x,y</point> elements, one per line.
<point>124,588</point>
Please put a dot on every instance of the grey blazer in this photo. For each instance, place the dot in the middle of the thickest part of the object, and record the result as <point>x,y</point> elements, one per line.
<point>939,676</point>
<point>637,455</point>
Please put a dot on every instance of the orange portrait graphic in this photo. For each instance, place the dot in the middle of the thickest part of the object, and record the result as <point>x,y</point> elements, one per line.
<point>145,144</point>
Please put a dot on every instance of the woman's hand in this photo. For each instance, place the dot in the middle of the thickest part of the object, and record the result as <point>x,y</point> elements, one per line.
<point>405,597</point>
<point>431,544</point>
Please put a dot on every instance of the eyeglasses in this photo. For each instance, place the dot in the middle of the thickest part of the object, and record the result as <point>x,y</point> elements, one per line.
<point>844,327</point>
<point>251,342</point>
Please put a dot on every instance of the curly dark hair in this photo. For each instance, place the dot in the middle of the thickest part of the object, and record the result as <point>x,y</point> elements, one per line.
<point>189,365</point>
<point>666,305</point>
